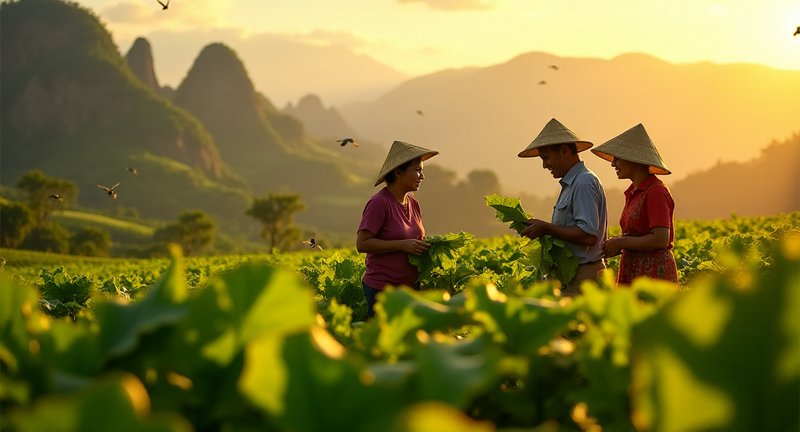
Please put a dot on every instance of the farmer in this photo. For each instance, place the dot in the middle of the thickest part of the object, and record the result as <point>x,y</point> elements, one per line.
<point>391,224</point>
<point>647,218</point>
<point>579,215</point>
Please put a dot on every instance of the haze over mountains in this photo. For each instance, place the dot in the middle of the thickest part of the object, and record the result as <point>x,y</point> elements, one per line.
<point>74,107</point>
<point>480,118</point>
<point>283,68</point>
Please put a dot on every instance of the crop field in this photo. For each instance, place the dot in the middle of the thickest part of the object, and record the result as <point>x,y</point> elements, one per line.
<point>278,342</point>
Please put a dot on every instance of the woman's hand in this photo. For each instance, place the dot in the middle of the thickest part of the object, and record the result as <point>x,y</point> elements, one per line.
<point>613,246</point>
<point>414,246</point>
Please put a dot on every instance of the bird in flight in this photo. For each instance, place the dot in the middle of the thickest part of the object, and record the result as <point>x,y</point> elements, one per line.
<point>312,243</point>
<point>111,191</point>
<point>797,32</point>
<point>56,197</point>
<point>133,171</point>
<point>346,141</point>
<point>542,82</point>
<point>420,112</point>
<point>164,6</point>
<point>554,67</point>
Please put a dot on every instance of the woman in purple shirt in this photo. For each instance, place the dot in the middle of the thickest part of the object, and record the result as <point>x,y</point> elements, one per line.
<point>391,225</point>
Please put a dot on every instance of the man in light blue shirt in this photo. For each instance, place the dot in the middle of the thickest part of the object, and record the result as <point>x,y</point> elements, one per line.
<point>580,214</point>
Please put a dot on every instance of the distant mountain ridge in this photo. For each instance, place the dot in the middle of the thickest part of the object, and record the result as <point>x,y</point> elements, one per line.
<point>764,185</point>
<point>320,121</point>
<point>480,118</point>
<point>283,67</point>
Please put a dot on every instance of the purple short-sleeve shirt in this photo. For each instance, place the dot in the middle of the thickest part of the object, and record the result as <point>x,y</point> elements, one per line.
<point>388,219</point>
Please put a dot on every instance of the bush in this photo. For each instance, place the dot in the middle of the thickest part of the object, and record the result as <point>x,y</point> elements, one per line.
<point>50,237</point>
<point>16,222</point>
<point>89,241</point>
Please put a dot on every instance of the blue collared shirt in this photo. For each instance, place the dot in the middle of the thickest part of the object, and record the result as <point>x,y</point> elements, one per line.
<point>582,203</point>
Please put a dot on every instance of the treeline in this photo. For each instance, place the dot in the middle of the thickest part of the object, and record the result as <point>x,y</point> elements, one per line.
<point>27,223</point>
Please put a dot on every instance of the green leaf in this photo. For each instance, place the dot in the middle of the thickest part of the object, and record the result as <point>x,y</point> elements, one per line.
<point>724,355</point>
<point>121,325</point>
<point>307,383</point>
<point>109,404</point>
<point>439,417</point>
<point>245,303</point>
<point>509,210</point>
<point>521,325</point>
<point>443,249</point>
<point>457,372</point>
<point>401,313</point>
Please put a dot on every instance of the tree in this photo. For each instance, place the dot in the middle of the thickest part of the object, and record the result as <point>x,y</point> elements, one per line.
<point>46,194</point>
<point>90,241</point>
<point>48,237</point>
<point>194,231</point>
<point>276,212</point>
<point>16,221</point>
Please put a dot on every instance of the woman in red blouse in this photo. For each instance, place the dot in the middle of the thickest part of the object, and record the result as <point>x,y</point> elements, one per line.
<point>646,220</point>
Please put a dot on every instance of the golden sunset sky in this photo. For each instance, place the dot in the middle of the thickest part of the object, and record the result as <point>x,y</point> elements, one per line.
<point>422,36</point>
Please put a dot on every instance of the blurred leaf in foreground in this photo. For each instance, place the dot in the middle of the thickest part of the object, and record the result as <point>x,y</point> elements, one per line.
<point>724,355</point>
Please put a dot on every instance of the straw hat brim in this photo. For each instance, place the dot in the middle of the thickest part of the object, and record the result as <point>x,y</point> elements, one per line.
<point>534,151</point>
<point>400,153</point>
<point>633,145</point>
<point>653,169</point>
<point>553,133</point>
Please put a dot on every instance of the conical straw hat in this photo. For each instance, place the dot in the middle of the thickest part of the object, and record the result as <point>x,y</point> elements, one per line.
<point>400,153</point>
<point>633,145</point>
<point>554,133</point>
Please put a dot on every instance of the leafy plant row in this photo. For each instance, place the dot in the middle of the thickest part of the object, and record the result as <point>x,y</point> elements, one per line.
<point>258,348</point>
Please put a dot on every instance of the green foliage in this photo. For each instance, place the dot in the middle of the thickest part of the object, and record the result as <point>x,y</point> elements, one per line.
<point>235,343</point>
<point>105,404</point>
<point>441,254</point>
<point>48,237</point>
<point>509,210</point>
<point>726,350</point>
<point>549,257</point>
<point>338,278</point>
<point>16,222</point>
<point>193,232</point>
<point>64,295</point>
<point>276,213</point>
<point>90,241</point>
<point>41,189</point>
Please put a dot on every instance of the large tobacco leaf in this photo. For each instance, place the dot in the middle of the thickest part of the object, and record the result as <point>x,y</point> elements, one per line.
<point>549,257</point>
<point>441,254</point>
<point>509,210</point>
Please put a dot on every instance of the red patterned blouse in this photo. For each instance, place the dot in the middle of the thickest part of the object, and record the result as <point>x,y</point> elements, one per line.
<point>647,206</point>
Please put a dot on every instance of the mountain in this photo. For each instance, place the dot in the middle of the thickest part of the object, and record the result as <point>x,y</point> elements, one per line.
<point>72,107</point>
<point>63,83</point>
<point>327,124</point>
<point>762,186</point>
<point>140,61</point>
<point>268,148</point>
<point>319,120</point>
<point>480,118</point>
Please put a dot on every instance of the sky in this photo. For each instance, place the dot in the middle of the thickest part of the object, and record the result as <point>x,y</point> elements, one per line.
<point>422,36</point>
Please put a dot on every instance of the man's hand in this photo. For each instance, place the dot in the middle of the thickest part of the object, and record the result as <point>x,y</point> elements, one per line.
<point>536,228</point>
